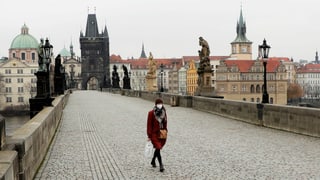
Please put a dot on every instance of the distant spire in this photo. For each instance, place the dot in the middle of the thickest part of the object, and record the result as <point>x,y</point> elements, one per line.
<point>317,57</point>
<point>241,29</point>
<point>71,50</point>
<point>143,54</point>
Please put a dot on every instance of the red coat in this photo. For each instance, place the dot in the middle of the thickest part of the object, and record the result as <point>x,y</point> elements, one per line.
<point>153,130</point>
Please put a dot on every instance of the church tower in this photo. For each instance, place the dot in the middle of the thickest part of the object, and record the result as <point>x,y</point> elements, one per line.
<point>241,47</point>
<point>95,56</point>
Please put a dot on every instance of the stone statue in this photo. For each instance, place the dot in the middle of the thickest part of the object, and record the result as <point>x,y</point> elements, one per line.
<point>125,71</point>
<point>126,78</point>
<point>115,77</point>
<point>204,53</point>
<point>42,65</point>
<point>152,66</point>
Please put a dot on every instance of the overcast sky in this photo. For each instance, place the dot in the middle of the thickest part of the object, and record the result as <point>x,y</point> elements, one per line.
<point>169,28</point>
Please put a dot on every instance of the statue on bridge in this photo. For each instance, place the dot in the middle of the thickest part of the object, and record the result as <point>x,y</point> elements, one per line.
<point>204,53</point>
<point>115,77</point>
<point>152,66</point>
<point>126,78</point>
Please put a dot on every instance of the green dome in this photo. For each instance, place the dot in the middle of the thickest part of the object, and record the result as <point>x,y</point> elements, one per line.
<point>65,53</point>
<point>24,40</point>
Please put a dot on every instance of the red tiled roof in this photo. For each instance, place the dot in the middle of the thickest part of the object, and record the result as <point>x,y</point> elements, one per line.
<point>196,58</point>
<point>245,65</point>
<point>279,59</point>
<point>309,68</point>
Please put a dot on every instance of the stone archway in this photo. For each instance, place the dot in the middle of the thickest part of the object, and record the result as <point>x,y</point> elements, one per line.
<point>93,83</point>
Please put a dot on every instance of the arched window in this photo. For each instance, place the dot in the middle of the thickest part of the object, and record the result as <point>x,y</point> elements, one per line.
<point>258,89</point>
<point>252,88</point>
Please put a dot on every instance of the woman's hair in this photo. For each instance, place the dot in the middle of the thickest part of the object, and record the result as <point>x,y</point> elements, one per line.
<point>158,101</point>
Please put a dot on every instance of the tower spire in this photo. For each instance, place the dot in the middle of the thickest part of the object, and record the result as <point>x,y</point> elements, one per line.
<point>143,54</point>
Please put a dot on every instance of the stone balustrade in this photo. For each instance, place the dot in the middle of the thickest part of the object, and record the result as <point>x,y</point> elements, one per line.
<point>25,150</point>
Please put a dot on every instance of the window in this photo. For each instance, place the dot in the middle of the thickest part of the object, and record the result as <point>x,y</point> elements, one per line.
<point>13,55</point>
<point>33,56</point>
<point>20,71</point>
<point>8,80</point>
<point>20,80</point>
<point>23,56</point>
<point>8,99</point>
<point>8,71</point>
<point>20,89</point>
<point>8,89</point>
<point>252,89</point>
<point>258,89</point>
<point>20,99</point>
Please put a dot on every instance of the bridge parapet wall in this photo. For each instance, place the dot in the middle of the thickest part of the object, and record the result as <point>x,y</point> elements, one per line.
<point>32,140</point>
<point>301,120</point>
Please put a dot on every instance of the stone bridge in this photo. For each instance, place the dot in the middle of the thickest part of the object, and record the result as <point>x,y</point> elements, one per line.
<point>101,135</point>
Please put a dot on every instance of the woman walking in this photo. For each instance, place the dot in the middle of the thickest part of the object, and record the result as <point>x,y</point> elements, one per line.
<point>156,131</point>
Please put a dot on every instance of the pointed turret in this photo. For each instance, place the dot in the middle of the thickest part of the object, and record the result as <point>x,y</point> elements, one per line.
<point>241,46</point>
<point>241,30</point>
<point>105,33</point>
<point>317,58</point>
<point>143,54</point>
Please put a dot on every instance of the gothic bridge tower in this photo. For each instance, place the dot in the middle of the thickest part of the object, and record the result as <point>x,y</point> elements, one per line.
<point>95,56</point>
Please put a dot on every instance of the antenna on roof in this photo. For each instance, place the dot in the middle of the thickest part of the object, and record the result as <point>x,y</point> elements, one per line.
<point>94,10</point>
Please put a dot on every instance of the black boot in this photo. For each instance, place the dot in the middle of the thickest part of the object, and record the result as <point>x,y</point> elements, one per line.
<point>161,168</point>
<point>153,163</point>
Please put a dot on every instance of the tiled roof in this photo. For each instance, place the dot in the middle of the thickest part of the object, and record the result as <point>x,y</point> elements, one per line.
<point>279,59</point>
<point>245,65</point>
<point>309,68</point>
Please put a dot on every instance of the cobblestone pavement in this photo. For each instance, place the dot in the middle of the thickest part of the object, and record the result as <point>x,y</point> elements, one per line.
<point>102,136</point>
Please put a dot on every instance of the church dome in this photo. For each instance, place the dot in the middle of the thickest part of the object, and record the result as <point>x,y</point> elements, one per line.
<point>24,40</point>
<point>65,53</point>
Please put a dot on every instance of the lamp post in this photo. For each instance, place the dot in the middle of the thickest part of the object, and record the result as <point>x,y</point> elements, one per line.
<point>264,53</point>
<point>161,76</point>
<point>47,50</point>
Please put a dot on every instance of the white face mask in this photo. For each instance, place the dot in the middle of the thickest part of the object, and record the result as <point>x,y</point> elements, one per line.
<point>159,106</point>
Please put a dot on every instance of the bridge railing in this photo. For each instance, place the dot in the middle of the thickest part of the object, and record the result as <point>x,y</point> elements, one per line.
<point>301,120</point>
<point>25,150</point>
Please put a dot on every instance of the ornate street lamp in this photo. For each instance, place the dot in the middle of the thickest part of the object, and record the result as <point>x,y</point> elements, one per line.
<point>161,76</point>
<point>264,54</point>
<point>47,51</point>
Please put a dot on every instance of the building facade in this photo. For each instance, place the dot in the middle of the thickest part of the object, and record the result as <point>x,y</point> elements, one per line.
<point>308,77</point>
<point>192,79</point>
<point>17,79</point>
<point>242,80</point>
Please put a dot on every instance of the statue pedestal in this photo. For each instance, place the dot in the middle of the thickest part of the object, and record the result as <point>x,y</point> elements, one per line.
<point>151,83</point>
<point>205,83</point>
<point>43,94</point>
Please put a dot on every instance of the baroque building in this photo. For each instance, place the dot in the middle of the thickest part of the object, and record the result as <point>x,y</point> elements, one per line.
<point>17,79</point>
<point>95,58</point>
